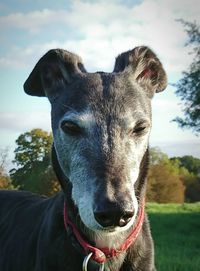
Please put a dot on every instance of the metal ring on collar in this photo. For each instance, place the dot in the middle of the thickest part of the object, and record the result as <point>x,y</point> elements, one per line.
<point>86,260</point>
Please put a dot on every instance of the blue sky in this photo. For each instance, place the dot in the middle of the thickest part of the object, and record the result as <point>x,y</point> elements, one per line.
<point>98,31</point>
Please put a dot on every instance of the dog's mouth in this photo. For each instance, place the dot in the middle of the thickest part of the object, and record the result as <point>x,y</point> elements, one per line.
<point>100,237</point>
<point>89,232</point>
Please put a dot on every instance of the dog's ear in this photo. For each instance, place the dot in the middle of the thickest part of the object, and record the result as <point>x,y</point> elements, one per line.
<point>144,67</point>
<point>55,67</point>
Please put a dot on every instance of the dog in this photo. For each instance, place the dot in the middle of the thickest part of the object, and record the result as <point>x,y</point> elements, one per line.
<point>101,124</point>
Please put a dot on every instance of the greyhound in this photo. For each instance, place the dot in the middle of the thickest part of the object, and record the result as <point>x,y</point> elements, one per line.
<point>101,124</point>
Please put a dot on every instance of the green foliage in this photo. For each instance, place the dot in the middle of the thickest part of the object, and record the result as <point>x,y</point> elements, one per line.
<point>156,156</point>
<point>189,162</point>
<point>173,180</point>
<point>5,182</point>
<point>192,193</point>
<point>188,87</point>
<point>32,157</point>
<point>190,175</point>
<point>175,230</point>
<point>33,146</point>
<point>164,182</point>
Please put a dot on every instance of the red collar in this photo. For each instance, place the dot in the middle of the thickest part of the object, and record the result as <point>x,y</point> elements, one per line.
<point>101,255</point>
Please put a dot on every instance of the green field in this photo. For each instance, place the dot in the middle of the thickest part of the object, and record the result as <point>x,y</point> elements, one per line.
<point>176,233</point>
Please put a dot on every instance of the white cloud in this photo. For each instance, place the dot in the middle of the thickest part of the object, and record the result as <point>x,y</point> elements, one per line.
<point>106,29</point>
<point>163,105</point>
<point>25,57</point>
<point>32,21</point>
<point>23,122</point>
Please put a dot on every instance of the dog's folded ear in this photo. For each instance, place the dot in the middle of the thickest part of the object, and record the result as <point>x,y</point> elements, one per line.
<point>56,66</point>
<point>144,67</point>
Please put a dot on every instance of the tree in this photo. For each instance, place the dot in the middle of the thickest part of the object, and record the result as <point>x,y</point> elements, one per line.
<point>164,183</point>
<point>192,192</point>
<point>5,182</point>
<point>190,175</point>
<point>33,146</point>
<point>192,164</point>
<point>156,156</point>
<point>32,157</point>
<point>188,87</point>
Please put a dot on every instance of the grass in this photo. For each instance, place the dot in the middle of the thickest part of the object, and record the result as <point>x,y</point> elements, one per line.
<point>176,233</point>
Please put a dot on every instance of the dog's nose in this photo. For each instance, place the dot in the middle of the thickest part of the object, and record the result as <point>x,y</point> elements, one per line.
<point>108,218</point>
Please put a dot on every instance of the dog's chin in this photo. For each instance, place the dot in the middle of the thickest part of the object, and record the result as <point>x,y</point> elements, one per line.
<point>111,237</point>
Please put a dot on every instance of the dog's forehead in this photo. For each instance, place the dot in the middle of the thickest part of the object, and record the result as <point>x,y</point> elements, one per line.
<point>105,95</point>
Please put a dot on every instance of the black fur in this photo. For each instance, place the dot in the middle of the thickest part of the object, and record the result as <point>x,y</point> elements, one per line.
<point>33,236</point>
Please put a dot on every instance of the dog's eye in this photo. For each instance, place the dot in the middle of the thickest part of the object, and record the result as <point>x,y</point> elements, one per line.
<point>70,128</point>
<point>139,129</point>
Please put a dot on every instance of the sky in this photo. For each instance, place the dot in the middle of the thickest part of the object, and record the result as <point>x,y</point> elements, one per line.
<point>97,31</point>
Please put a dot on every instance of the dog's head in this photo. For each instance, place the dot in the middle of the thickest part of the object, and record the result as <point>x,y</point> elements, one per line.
<point>101,124</point>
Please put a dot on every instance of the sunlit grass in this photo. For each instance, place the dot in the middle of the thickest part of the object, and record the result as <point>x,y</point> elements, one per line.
<point>173,208</point>
<point>176,233</point>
